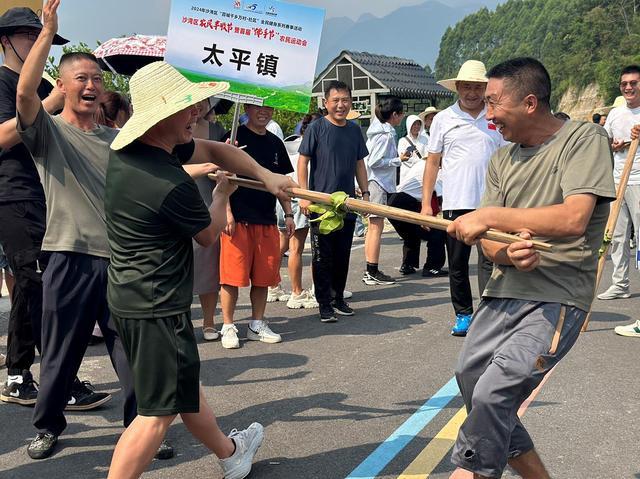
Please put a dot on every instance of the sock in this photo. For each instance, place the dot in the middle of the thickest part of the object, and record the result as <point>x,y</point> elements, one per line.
<point>372,268</point>
<point>255,324</point>
<point>14,378</point>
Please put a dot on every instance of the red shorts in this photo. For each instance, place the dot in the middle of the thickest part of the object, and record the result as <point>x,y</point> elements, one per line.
<point>250,256</point>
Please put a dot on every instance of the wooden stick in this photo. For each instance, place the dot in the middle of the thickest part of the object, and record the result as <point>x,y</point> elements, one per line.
<point>616,206</point>
<point>387,211</point>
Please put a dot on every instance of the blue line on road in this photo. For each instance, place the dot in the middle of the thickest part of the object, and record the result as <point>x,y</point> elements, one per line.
<point>391,447</point>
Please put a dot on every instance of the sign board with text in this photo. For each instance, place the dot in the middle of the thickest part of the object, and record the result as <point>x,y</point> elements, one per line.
<point>264,49</point>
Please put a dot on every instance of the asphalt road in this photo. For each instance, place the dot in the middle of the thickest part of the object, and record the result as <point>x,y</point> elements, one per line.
<point>330,394</point>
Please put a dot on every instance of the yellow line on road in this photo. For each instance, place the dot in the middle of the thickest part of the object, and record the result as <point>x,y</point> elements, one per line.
<point>437,448</point>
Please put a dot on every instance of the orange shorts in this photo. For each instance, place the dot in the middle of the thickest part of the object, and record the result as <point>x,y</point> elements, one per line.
<point>250,256</point>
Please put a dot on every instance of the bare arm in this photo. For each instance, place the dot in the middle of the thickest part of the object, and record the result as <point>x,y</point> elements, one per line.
<point>27,99</point>
<point>570,218</point>
<point>429,180</point>
<point>217,210</point>
<point>237,161</point>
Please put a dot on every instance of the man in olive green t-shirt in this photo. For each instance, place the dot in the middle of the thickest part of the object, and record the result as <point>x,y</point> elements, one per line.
<point>551,184</point>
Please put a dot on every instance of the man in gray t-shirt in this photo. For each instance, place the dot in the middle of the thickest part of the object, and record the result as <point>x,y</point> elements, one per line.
<point>555,183</point>
<point>71,154</point>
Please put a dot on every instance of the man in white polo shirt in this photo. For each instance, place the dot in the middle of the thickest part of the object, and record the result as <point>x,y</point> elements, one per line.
<point>618,125</point>
<point>462,141</point>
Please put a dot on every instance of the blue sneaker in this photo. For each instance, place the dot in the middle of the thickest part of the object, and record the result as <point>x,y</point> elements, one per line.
<point>463,321</point>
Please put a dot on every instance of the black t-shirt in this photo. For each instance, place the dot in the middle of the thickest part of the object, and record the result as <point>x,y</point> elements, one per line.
<point>153,210</point>
<point>253,206</point>
<point>19,180</point>
<point>334,152</point>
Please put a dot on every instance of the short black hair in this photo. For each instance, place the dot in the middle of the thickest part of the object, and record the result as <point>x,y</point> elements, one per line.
<point>526,76</point>
<point>630,69</point>
<point>75,56</point>
<point>387,105</point>
<point>336,85</point>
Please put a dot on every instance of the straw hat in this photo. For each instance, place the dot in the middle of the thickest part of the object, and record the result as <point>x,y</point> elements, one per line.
<point>428,111</point>
<point>158,91</point>
<point>353,115</point>
<point>471,70</point>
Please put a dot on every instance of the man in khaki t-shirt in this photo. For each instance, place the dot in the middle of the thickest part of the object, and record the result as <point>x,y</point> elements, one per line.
<point>551,184</point>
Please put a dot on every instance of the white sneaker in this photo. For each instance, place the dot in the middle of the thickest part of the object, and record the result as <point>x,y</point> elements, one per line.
<point>614,292</point>
<point>230,337</point>
<point>210,334</point>
<point>238,466</point>
<point>303,300</point>
<point>277,294</point>
<point>630,330</point>
<point>263,333</point>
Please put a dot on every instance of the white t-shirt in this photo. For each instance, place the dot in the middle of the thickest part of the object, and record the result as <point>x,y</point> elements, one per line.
<point>466,145</point>
<point>618,125</point>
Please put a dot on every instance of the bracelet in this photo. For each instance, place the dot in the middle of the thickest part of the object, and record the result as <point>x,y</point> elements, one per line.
<point>366,193</point>
<point>288,215</point>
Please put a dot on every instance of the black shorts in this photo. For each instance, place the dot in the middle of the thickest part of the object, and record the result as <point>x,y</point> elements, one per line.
<point>163,355</point>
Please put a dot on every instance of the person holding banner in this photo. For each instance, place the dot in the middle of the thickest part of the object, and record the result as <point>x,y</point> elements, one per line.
<point>534,304</point>
<point>618,125</point>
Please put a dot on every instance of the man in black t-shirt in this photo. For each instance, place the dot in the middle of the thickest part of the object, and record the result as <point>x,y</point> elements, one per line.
<point>335,147</point>
<point>250,248</point>
<point>22,206</point>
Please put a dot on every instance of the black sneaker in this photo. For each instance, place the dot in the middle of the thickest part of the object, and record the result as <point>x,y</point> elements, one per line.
<point>327,314</point>
<point>24,393</point>
<point>434,273</point>
<point>165,451</point>
<point>84,398</point>
<point>406,269</point>
<point>377,278</point>
<point>342,308</point>
<point>42,446</point>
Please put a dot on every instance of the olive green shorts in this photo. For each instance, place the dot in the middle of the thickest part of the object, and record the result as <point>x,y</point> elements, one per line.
<point>163,356</point>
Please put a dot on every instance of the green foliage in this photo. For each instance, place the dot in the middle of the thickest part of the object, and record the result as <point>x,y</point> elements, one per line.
<point>112,82</point>
<point>579,41</point>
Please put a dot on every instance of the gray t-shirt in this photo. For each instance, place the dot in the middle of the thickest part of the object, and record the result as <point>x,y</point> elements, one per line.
<point>72,164</point>
<point>577,159</point>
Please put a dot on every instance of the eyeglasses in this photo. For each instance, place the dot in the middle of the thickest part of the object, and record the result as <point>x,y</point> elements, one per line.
<point>632,84</point>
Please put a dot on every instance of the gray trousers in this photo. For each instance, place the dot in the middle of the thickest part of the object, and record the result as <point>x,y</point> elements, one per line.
<point>628,221</point>
<point>511,345</point>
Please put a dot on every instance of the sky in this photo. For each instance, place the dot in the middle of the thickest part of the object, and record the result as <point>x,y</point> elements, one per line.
<point>92,20</point>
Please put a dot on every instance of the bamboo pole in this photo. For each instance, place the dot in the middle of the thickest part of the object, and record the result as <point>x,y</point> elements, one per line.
<point>616,206</point>
<point>366,207</point>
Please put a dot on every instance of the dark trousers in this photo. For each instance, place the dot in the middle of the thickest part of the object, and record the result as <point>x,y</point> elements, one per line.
<point>413,235</point>
<point>330,260</point>
<point>458,254</point>
<point>75,296</point>
<point>22,225</point>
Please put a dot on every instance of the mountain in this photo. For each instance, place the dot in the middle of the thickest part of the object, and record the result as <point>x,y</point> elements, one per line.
<point>411,32</point>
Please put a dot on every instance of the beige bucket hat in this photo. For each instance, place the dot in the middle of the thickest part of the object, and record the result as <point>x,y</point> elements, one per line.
<point>158,91</point>
<point>471,70</point>
<point>428,111</point>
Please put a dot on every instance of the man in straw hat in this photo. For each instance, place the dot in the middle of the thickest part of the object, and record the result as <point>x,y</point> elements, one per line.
<point>534,305</point>
<point>22,215</point>
<point>462,141</point>
<point>151,271</point>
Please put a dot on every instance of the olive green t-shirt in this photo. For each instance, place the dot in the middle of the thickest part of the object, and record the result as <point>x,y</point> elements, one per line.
<point>576,160</point>
<point>72,164</point>
<point>153,210</point>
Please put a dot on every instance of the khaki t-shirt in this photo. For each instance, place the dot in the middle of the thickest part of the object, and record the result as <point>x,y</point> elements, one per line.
<point>577,159</point>
<point>72,164</point>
